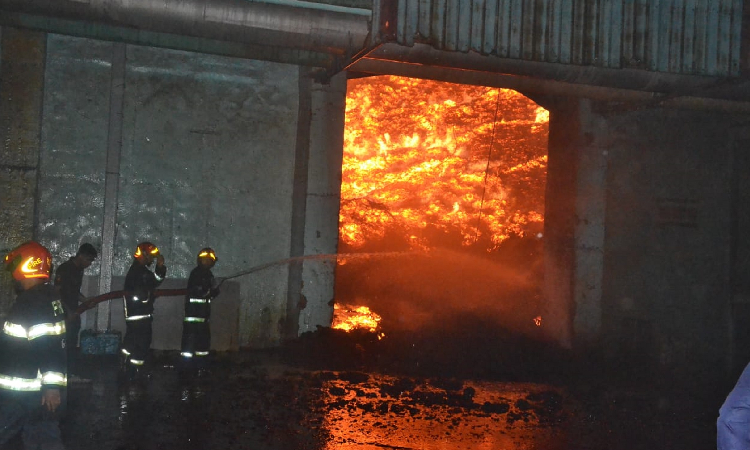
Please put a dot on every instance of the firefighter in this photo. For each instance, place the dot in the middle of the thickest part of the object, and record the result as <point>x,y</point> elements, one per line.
<point>196,332</point>
<point>140,287</point>
<point>33,374</point>
<point>68,280</point>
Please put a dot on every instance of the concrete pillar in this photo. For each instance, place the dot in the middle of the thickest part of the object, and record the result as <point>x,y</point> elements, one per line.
<point>575,224</point>
<point>590,209</point>
<point>295,301</point>
<point>315,204</point>
<point>111,181</point>
<point>323,201</point>
<point>559,226</point>
<point>22,63</point>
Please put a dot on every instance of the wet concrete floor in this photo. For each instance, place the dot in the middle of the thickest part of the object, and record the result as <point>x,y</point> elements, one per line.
<point>275,406</point>
<point>297,399</point>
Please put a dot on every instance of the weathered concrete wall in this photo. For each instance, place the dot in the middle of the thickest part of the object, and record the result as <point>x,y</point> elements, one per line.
<point>22,60</point>
<point>641,208</point>
<point>669,221</point>
<point>207,159</point>
<point>73,145</point>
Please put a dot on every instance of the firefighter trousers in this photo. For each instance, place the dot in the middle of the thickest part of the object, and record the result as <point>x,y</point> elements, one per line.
<point>21,412</point>
<point>72,329</point>
<point>137,341</point>
<point>196,338</point>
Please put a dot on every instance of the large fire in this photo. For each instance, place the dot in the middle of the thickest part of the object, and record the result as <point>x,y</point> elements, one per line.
<point>430,164</point>
<point>427,161</point>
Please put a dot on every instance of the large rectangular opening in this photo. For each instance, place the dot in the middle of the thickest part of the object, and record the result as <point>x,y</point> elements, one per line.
<point>441,223</point>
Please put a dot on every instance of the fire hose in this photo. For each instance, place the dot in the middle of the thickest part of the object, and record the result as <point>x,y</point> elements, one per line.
<point>93,301</point>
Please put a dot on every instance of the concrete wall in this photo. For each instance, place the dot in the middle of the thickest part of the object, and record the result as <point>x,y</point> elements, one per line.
<point>645,214</point>
<point>22,60</point>
<point>670,191</point>
<point>208,156</point>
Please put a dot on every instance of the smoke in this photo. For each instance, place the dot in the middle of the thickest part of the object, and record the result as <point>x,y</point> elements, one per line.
<point>443,290</point>
<point>454,313</point>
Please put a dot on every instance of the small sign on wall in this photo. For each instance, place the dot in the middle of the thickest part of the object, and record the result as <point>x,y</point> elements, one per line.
<point>680,212</point>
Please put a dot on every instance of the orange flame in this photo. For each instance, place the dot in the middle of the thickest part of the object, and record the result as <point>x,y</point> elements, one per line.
<point>348,318</point>
<point>425,157</point>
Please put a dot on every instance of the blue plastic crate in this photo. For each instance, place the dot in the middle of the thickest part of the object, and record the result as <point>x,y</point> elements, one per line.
<point>99,342</point>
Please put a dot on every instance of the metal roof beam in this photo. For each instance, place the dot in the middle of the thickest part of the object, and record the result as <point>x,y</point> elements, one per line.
<point>294,26</point>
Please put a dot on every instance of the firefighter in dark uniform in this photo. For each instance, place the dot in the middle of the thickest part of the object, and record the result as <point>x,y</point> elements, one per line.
<point>140,287</point>
<point>68,280</point>
<point>33,374</point>
<point>196,331</point>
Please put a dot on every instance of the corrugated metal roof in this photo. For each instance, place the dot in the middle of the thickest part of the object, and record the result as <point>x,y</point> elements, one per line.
<point>699,37</point>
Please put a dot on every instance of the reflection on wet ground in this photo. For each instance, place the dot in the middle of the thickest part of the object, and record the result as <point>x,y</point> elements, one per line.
<point>329,391</point>
<point>387,412</point>
<point>263,403</point>
<point>266,400</point>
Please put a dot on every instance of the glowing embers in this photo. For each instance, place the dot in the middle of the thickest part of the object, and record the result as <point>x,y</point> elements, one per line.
<point>430,164</point>
<point>348,318</point>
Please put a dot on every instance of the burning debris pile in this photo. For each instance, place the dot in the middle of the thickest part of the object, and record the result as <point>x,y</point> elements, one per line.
<point>467,348</point>
<point>348,318</point>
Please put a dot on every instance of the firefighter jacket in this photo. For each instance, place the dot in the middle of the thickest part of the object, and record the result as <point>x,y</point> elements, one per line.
<point>32,343</point>
<point>140,287</point>
<point>200,291</point>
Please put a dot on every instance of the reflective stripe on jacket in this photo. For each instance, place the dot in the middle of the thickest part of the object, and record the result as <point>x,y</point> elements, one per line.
<point>32,342</point>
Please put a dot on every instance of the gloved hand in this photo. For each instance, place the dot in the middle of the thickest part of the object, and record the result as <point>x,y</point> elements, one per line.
<point>215,292</point>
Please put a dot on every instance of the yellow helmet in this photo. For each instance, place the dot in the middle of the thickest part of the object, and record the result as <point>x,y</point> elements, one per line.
<point>145,248</point>
<point>207,252</point>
